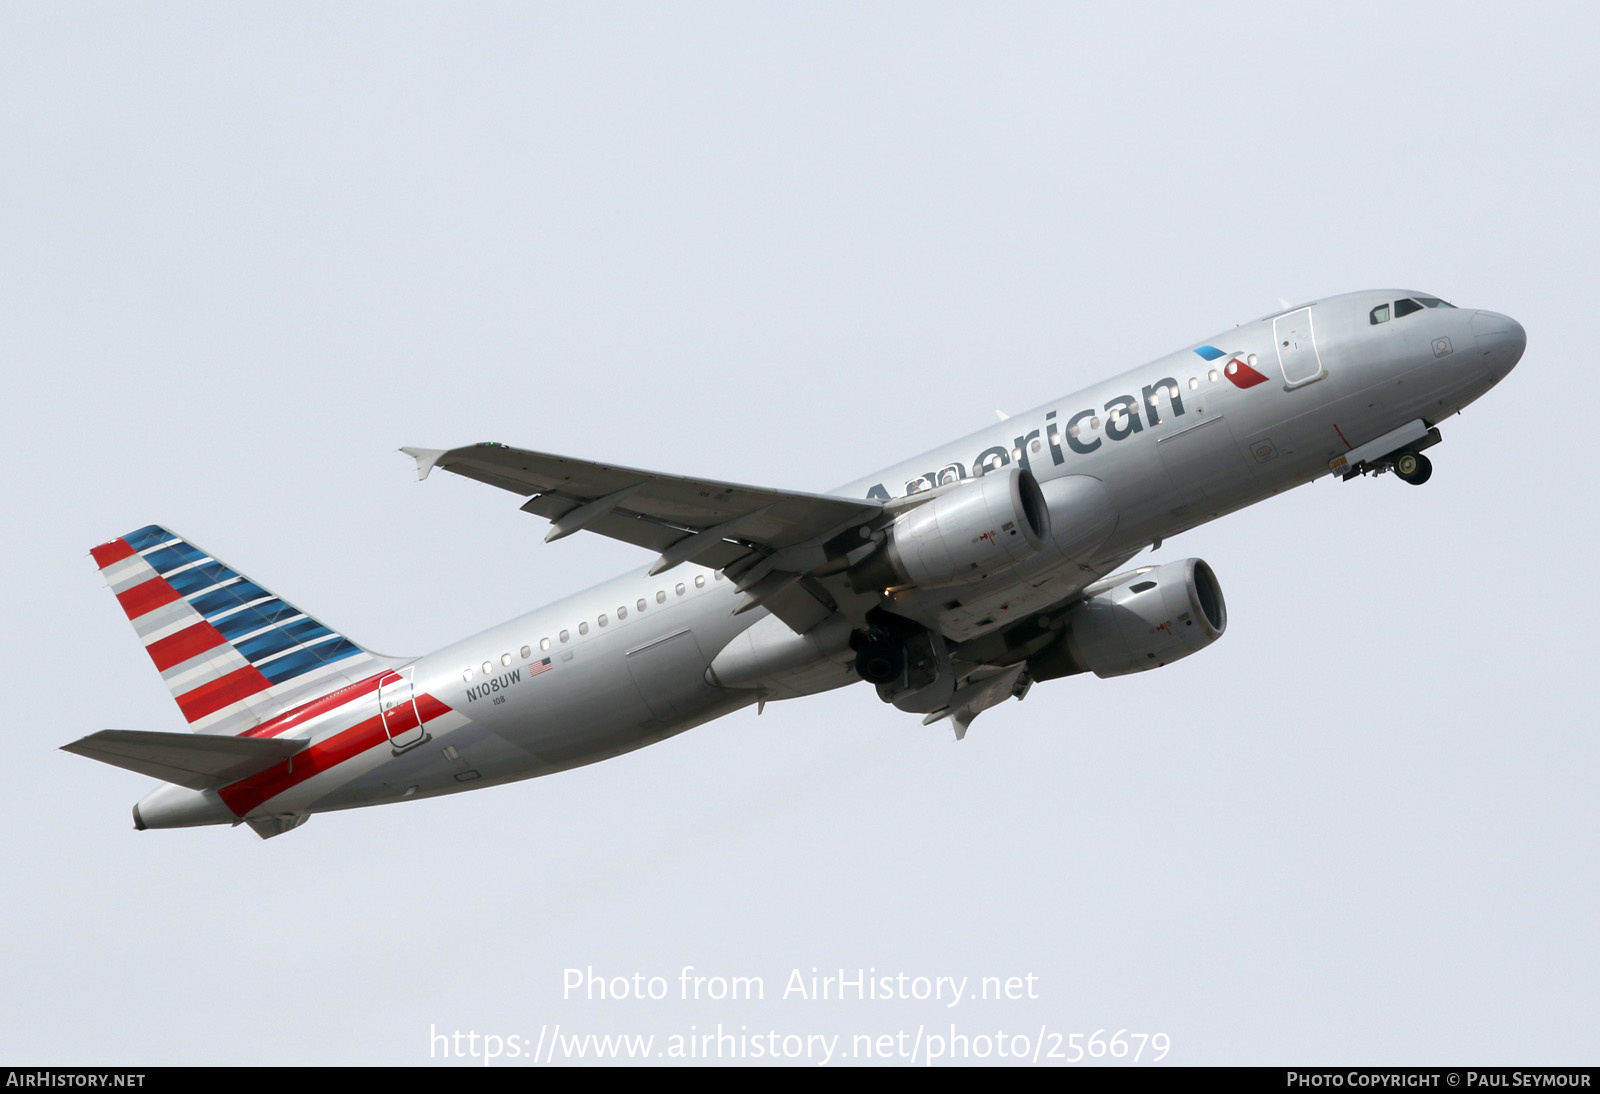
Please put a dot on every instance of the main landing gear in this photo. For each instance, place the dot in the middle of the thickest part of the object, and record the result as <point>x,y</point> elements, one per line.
<point>908,663</point>
<point>880,655</point>
<point>1413,468</point>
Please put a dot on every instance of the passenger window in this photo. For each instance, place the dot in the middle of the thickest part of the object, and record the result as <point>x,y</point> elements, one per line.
<point>505,660</point>
<point>699,581</point>
<point>622,613</point>
<point>603,619</point>
<point>527,651</point>
<point>1405,307</point>
<point>680,588</point>
<point>544,644</point>
<point>583,628</point>
<point>1213,376</point>
<point>466,676</point>
<point>1380,314</point>
<point>661,596</point>
<point>488,667</point>
<point>564,635</point>
<point>642,604</point>
<point>1193,383</point>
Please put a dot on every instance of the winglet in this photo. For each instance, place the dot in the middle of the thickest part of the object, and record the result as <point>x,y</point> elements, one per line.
<point>426,458</point>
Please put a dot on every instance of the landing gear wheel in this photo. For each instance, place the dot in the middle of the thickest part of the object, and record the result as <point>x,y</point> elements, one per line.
<point>880,655</point>
<point>1413,468</point>
<point>881,662</point>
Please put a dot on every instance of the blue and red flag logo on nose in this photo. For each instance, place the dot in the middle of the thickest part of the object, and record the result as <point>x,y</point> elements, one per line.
<point>1239,374</point>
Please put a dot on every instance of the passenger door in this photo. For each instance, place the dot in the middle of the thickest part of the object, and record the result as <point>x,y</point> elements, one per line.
<point>1296,338</point>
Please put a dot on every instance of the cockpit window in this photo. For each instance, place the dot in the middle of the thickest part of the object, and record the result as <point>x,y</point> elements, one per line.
<point>1405,307</point>
<point>1380,314</point>
<point>1434,302</point>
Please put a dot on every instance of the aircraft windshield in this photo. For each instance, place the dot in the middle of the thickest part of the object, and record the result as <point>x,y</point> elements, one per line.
<point>1383,313</point>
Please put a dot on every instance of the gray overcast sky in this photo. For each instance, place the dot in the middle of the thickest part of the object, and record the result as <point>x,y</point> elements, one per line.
<point>247,251</point>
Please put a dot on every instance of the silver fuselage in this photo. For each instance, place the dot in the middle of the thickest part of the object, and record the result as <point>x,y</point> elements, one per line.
<point>1202,444</point>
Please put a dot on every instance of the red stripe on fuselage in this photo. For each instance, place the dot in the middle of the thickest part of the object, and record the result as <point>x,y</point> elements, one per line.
<point>430,708</point>
<point>146,596</point>
<point>213,695</point>
<point>189,642</point>
<point>247,794</point>
<point>108,553</point>
<point>320,705</point>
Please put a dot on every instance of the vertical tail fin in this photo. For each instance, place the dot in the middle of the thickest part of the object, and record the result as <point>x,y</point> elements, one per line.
<point>232,653</point>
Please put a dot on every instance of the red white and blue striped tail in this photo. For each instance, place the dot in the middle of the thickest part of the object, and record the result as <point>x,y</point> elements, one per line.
<point>232,653</point>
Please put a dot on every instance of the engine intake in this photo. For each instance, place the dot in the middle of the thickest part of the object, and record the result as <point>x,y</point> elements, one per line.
<point>1151,618</point>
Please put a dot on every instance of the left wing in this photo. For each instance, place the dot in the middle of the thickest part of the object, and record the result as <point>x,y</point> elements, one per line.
<point>774,544</point>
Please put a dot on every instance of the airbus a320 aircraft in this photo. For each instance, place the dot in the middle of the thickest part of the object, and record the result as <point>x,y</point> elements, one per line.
<point>951,582</point>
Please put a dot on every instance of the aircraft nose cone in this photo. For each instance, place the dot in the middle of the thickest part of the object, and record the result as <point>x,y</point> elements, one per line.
<point>1500,338</point>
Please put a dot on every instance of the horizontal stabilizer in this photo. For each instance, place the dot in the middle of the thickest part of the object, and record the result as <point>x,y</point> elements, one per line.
<point>198,761</point>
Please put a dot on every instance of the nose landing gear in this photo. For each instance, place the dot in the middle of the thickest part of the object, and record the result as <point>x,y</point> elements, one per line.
<point>1399,450</point>
<point>1413,468</point>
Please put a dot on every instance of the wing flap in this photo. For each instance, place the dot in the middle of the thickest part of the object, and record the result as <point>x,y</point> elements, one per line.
<point>987,688</point>
<point>198,761</point>
<point>801,605</point>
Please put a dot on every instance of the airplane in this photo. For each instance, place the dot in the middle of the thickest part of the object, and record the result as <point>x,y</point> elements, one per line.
<point>951,582</point>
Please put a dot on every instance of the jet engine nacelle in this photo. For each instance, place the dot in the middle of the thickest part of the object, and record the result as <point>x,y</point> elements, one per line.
<point>1152,617</point>
<point>991,524</point>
